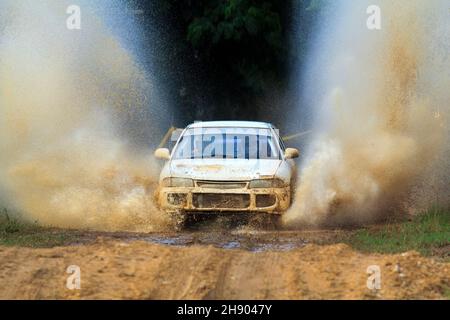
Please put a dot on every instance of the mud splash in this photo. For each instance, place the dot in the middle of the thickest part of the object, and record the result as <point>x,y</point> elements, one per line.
<point>73,104</point>
<point>381,141</point>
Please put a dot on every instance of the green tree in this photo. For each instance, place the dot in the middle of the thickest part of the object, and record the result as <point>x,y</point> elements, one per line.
<point>244,37</point>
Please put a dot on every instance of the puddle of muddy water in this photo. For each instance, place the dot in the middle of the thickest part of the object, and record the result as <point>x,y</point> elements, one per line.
<point>230,236</point>
<point>253,241</point>
<point>226,233</point>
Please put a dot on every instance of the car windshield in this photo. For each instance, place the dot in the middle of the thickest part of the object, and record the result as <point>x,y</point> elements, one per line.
<point>227,143</point>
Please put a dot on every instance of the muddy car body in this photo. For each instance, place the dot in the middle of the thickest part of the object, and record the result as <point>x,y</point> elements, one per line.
<point>227,166</point>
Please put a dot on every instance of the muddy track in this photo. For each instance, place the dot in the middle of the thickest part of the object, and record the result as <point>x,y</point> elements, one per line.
<point>120,267</point>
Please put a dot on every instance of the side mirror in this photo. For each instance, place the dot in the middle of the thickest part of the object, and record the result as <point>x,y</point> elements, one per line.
<point>291,153</point>
<point>162,153</point>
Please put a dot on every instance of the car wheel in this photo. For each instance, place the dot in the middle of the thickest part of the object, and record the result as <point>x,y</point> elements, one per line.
<point>266,221</point>
<point>177,220</point>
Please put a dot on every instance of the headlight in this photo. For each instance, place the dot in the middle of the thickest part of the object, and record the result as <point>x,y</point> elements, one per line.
<point>266,183</point>
<point>178,182</point>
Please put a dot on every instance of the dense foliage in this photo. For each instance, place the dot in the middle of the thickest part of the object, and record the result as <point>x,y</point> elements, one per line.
<point>223,57</point>
<point>243,37</point>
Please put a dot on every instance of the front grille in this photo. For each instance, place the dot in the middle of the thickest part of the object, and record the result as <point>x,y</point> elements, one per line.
<point>221,185</point>
<point>220,201</point>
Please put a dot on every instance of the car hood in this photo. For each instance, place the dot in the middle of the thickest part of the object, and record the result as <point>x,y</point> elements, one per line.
<point>224,169</point>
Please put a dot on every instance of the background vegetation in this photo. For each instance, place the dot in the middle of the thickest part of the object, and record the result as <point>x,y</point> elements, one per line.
<point>428,233</point>
<point>226,59</point>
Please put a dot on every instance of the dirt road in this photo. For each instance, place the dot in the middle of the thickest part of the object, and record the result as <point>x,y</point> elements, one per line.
<point>194,266</point>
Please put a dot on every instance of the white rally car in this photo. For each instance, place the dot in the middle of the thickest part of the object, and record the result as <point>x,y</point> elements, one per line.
<point>227,166</point>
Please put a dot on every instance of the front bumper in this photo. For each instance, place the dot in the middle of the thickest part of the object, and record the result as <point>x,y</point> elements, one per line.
<point>199,199</point>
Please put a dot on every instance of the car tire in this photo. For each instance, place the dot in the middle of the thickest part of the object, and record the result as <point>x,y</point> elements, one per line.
<point>177,220</point>
<point>266,221</point>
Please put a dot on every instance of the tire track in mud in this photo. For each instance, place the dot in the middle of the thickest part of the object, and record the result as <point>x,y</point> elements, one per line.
<point>114,269</point>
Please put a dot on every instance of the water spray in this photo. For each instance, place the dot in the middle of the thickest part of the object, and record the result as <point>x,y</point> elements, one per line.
<point>376,94</point>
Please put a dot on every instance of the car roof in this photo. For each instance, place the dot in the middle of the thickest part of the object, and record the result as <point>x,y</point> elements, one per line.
<point>231,124</point>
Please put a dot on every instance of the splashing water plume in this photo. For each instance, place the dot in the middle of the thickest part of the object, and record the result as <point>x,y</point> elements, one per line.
<point>382,101</point>
<point>66,99</point>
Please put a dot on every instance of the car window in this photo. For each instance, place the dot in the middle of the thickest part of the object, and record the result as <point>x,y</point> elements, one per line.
<point>227,143</point>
